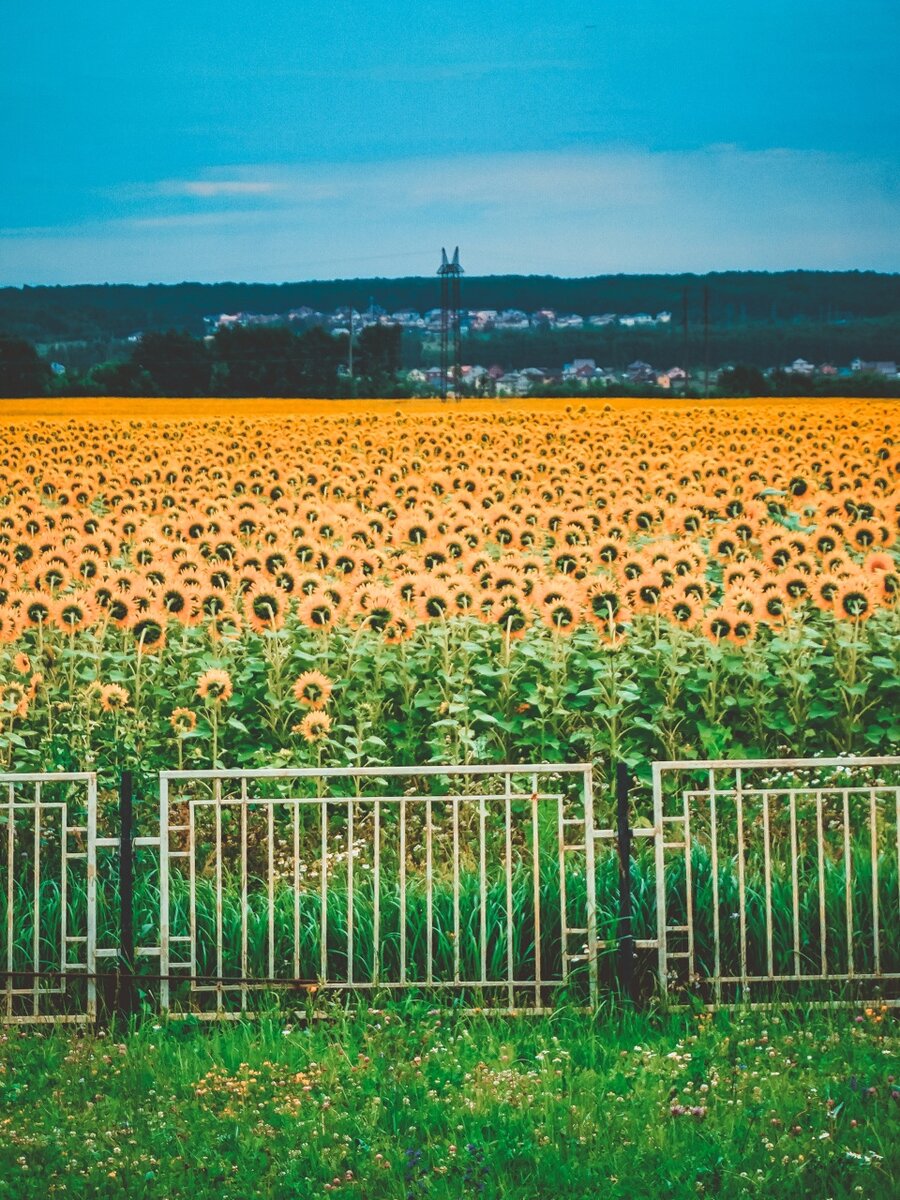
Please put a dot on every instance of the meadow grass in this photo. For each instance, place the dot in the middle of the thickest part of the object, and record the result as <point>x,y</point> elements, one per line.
<point>416,1102</point>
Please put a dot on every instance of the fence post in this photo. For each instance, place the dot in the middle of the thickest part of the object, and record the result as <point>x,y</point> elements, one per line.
<point>126,998</point>
<point>626,929</point>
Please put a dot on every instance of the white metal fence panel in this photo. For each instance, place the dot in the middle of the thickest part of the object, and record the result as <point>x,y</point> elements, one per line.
<point>48,880</point>
<point>473,879</point>
<point>779,877</point>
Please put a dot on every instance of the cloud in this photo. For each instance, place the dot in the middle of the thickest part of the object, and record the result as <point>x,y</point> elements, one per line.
<point>223,187</point>
<point>578,212</point>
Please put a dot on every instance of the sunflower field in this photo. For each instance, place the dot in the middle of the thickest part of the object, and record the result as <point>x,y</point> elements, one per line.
<point>363,583</point>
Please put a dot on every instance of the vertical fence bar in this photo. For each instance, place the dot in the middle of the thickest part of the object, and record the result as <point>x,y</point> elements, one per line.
<point>403,890</point>
<point>90,957</point>
<point>767,884</point>
<point>742,884</point>
<point>270,884</point>
<point>323,892</point>
<point>10,892</point>
<point>714,863</point>
<point>507,857</point>
<point>536,887</point>
<point>848,884</point>
<point>820,867</point>
<point>429,894</point>
<point>376,895</point>
<point>482,882</point>
<point>245,953</point>
<point>220,953</point>
<point>795,880</point>
<point>192,894</point>
<point>36,932</point>
<point>456,924</point>
<point>662,951</point>
<point>563,898</point>
<point>164,990</point>
<point>350,938</point>
<point>127,998</point>
<point>587,801</point>
<point>688,884</point>
<point>876,932</point>
<point>626,912</point>
<point>296,874</point>
<point>64,895</point>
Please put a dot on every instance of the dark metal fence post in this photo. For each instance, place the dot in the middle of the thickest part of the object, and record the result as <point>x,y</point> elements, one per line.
<point>626,929</point>
<point>126,1000</point>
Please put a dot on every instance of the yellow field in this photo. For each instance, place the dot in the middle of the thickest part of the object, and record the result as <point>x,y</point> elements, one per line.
<point>387,514</point>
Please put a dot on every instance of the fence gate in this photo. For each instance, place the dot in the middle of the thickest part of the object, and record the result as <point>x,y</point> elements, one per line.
<point>48,880</point>
<point>778,877</point>
<point>475,880</point>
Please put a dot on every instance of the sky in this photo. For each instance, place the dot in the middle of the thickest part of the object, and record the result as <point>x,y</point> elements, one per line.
<point>267,141</point>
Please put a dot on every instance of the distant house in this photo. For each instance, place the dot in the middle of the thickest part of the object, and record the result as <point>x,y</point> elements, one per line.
<point>601,319</point>
<point>514,383</point>
<point>674,375</point>
<point>801,367</point>
<point>640,372</point>
<point>888,369</point>
<point>580,368</point>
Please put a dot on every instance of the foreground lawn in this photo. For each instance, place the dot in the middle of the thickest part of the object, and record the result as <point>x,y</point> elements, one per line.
<point>420,1103</point>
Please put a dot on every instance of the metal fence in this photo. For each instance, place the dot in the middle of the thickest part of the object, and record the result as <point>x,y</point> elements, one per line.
<point>778,876</point>
<point>48,876</point>
<point>496,886</point>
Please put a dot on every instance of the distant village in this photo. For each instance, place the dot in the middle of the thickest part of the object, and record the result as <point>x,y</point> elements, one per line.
<point>494,380</point>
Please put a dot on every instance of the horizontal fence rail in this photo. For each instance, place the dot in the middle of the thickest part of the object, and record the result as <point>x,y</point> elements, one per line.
<point>492,886</point>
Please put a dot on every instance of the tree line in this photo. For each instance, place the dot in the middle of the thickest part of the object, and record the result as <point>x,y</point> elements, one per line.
<point>237,361</point>
<point>736,298</point>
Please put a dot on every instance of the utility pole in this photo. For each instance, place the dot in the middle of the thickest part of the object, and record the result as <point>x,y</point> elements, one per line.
<point>684,319</point>
<point>451,335</point>
<point>706,341</point>
<point>350,360</point>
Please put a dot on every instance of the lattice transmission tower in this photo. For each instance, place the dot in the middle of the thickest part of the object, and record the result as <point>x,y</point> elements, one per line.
<point>451,333</point>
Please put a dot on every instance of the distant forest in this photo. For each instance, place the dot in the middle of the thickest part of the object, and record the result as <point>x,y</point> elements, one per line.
<point>737,298</point>
<point>756,322</point>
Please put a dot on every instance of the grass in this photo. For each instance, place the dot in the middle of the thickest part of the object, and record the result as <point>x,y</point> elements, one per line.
<point>414,1102</point>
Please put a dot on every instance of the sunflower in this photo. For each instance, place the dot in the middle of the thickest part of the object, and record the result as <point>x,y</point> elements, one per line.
<point>183,721</point>
<point>149,631</point>
<point>315,727</point>
<point>312,689</point>
<point>854,599</point>
<point>718,624</point>
<point>215,685</point>
<point>113,697</point>
<point>265,608</point>
<point>316,612</point>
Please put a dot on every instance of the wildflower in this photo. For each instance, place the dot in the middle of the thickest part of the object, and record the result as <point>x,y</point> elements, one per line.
<point>21,663</point>
<point>215,685</point>
<point>312,689</point>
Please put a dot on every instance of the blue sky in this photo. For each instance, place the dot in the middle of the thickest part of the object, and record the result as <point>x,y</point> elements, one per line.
<point>272,141</point>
